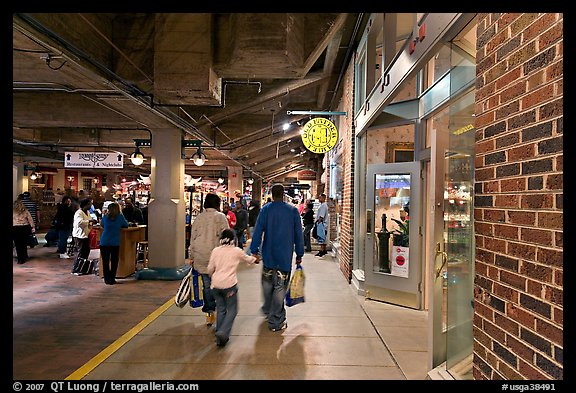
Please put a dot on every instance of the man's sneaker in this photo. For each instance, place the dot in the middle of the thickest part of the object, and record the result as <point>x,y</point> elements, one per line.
<point>210,318</point>
<point>282,326</point>
<point>318,254</point>
<point>64,256</point>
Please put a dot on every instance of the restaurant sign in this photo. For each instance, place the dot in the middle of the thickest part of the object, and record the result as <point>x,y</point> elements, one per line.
<point>306,174</point>
<point>93,160</point>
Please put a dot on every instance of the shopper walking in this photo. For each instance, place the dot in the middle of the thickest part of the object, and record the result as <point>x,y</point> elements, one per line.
<point>22,228</point>
<point>281,226</point>
<point>222,267</point>
<point>241,224</point>
<point>308,223</point>
<point>322,225</point>
<point>64,220</point>
<point>253,211</point>
<point>204,237</point>
<point>81,228</point>
<point>229,215</point>
<point>112,222</point>
<point>32,208</point>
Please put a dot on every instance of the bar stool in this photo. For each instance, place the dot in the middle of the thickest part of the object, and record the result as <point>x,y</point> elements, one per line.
<point>142,249</point>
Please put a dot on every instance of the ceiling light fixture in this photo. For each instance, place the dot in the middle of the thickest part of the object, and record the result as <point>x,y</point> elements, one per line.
<point>199,158</point>
<point>33,176</point>
<point>137,157</point>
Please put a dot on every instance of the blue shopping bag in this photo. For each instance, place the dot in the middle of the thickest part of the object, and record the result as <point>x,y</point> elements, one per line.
<point>295,293</point>
<point>196,295</point>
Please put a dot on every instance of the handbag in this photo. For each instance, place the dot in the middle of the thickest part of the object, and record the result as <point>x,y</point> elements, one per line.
<point>82,266</point>
<point>196,295</point>
<point>183,292</point>
<point>315,231</point>
<point>295,293</point>
<point>32,240</point>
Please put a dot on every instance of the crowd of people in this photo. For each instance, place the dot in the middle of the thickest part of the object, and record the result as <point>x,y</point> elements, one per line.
<point>76,217</point>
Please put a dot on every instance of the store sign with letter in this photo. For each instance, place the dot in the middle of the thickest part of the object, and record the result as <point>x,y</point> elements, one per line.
<point>93,160</point>
<point>319,135</point>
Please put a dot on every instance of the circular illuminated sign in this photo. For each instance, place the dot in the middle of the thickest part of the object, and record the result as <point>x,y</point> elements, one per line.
<point>319,135</point>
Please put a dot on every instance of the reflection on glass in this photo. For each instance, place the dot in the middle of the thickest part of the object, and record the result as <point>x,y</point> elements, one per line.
<point>391,212</point>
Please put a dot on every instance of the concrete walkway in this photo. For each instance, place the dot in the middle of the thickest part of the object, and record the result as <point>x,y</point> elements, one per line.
<point>335,335</point>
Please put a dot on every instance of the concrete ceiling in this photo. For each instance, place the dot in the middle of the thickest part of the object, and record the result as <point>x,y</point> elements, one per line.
<point>95,82</point>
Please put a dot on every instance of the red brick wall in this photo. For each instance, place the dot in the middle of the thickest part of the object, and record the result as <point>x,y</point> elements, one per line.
<point>346,252</point>
<point>518,310</point>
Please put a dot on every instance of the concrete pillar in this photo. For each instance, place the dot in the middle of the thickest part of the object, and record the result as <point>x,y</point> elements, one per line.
<point>166,209</point>
<point>19,180</point>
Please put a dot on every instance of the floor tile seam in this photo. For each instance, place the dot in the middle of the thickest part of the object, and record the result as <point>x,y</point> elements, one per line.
<point>236,364</point>
<point>95,361</point>
<point>388,348</point>
<point>395,325</point>
<point>424,351</point>
<point>271,335</point>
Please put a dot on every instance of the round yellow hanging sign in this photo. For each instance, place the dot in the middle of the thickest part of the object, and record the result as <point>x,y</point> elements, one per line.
<point>320,135</point>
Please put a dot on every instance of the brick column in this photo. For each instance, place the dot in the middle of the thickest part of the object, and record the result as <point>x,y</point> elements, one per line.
<point>518,310</point>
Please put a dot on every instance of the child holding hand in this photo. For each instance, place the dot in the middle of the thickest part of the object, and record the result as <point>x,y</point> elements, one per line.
<point>222,267</point>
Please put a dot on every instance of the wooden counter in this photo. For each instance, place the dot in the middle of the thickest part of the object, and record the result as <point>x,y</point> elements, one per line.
<point>129,238</point>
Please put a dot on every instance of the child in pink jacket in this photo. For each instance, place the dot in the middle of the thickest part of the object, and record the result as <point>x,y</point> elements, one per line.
<point>224,261</point>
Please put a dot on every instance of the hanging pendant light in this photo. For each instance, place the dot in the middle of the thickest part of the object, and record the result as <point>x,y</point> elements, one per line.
<point>137,157</point>
<point>199,158</point>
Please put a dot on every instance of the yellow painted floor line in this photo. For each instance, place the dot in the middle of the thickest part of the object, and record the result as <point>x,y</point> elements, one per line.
<point>96,360</point>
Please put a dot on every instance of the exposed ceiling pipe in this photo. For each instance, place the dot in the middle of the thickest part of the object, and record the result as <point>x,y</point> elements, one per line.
<point>34,86</point>
<point>347,56</point>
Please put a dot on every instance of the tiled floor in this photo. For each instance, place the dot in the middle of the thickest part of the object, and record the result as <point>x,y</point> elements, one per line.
<point>83,329</point>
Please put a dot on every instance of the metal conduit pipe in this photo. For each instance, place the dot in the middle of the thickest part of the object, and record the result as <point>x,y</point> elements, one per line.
<point>347,56</point>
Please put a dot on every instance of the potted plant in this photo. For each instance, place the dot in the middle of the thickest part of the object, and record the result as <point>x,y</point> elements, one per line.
<point>401,236</point>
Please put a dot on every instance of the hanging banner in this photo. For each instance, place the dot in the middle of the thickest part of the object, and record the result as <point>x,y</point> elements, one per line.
<point>306,174</point>
<point>93,160</point>
<point>319,135</point>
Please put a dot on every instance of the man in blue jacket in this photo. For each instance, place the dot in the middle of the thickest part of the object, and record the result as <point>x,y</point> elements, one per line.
<point>281,226</point>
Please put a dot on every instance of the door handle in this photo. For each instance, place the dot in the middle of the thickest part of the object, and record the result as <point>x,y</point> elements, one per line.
<point>444,259</point>
<point>368,221</point>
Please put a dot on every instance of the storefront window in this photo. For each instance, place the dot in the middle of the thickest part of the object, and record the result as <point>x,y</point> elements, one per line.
<point>336,190</point>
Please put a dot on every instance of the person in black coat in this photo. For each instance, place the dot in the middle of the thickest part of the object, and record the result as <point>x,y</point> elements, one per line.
<point>253,212</point>
<point>132,213</point>
<point>308,223</point>
<point>63,221</point>
<point>241,224</point>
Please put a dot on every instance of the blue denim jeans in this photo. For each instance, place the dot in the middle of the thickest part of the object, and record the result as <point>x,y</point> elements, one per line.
<point>226,310</point>
<point>240,240</point>
<point>209,302</point>
<point>63,235</point>
<point>274,286</point>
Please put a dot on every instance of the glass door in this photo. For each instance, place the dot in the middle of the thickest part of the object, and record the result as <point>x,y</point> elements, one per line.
<point>450,236</point>
<point>459,237</point>
<point>393,266</point>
